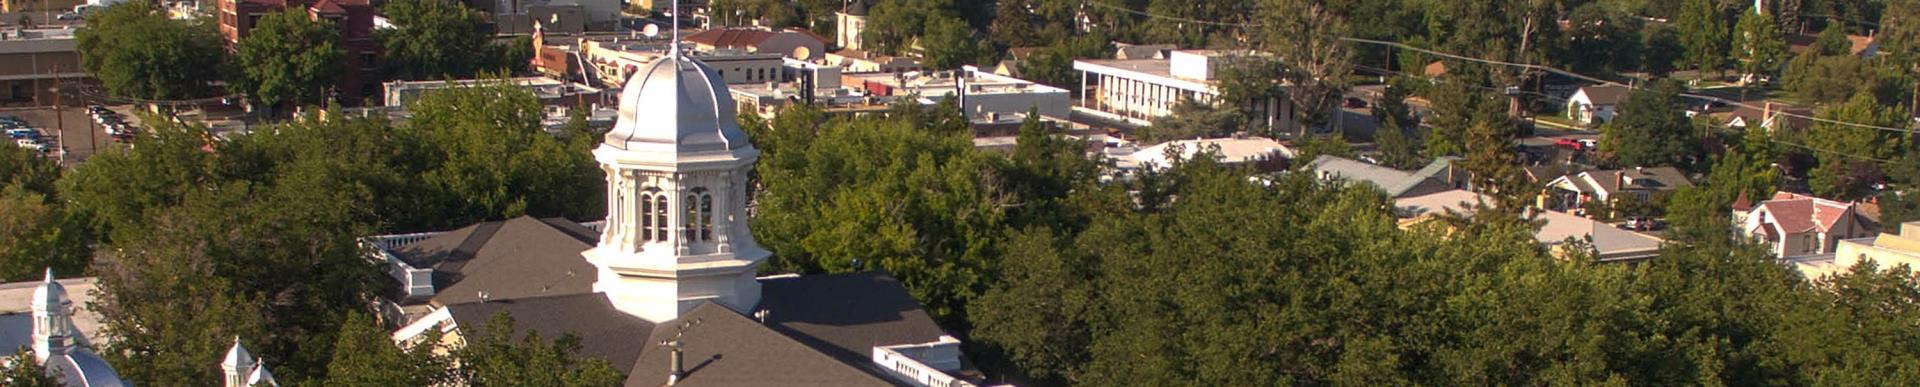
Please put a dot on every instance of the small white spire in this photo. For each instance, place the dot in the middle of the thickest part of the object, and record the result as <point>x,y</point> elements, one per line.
<point>674,46</point>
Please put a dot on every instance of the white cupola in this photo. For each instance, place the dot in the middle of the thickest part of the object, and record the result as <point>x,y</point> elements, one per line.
<point>52,320</point>
<point>676,164</point>
<point>238,365</point>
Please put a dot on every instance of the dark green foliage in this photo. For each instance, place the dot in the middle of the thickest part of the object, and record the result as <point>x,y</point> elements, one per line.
<point>1703,33</point>
<point>1603,39</point>
<point>1833,41</point>
<point>1759,44</point>
<point>434,39</point>
<point>1843,173</point>
<point>365,355</point>
<point>840,196</point>
<point>1650,129</point>
<point>1053,65</point>
<point>34,232</point>
<point>1191,119</point>
<point>491,160</point>
<point>771,13</point>
<point>949,43</point>
<point>289,58</point>
<point>256,235</point>
<point>136,51</point>
<point>22,370</point>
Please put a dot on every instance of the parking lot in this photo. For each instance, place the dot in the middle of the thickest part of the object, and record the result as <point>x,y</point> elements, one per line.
<point>72,130</point>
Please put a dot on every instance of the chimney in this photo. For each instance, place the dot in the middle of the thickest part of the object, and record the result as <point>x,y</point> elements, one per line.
<point>1619,179</point>
<point>675,363</point>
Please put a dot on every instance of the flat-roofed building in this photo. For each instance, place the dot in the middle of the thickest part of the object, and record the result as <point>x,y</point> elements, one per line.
<point>31,61</point>
<point>1136,91</point>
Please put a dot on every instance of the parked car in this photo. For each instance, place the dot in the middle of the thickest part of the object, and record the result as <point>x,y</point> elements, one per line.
<point>1641,223</point>
<point>23,133</point>
<point>1588,143</point>
<point>28,144</point>
<point>68,15</point>
<point>1566,143</point>
<point>1354,103</point>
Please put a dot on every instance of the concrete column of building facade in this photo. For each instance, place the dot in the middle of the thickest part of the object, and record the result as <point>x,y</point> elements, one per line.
<point>676,213</point>
<point>1083,88</point>
<point>723,222</point>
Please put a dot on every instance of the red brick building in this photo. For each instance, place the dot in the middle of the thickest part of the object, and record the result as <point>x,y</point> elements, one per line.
<point>354,18</point>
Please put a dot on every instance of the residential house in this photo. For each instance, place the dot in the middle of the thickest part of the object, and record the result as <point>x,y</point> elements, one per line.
<point>1439,175</point>
<point>1593,105</point>
<point>1603,241</point>
<point>1125,51</point>
<point>1795,225</point>
<point>1230,151</point>
<point>1888,250</point>
<point>1573,191</point>
<point>792,43</point>
<point>1768,115</point>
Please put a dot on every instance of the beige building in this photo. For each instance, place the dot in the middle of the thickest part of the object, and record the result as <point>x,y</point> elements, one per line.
<point>1888,250</point>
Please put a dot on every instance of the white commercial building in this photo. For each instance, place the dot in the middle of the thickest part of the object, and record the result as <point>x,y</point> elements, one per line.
<point>1136,91</point>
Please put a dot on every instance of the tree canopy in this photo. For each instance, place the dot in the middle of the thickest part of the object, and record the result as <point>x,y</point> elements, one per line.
<point>137,51</point>
<point>289,58</point>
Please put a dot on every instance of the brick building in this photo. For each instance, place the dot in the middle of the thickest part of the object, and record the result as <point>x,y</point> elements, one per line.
<point>354,18</point>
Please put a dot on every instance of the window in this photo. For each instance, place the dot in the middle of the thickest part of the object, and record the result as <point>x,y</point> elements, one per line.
<point>698,225</point>
<point>660,218</point>
<point>687,222</point>
<point>646,217</point>
<point>706,217</point>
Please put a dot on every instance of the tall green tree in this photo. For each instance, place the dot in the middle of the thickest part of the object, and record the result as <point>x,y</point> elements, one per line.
<point>1759,45</point>
<point>1703,32</point>
<point>35,231</point>
<point>949,43</point>
<point>493,160</point>
<point>892,194</point>
<point>137,51</point>
<point>1650,129</point>
<point>365,355</point>
<point>1846,152</point>
<point>1306,40</point>
<point>433,39</point>
<point>289,59</point>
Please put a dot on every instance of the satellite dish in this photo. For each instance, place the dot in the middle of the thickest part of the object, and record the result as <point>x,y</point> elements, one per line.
<point>651,30</point>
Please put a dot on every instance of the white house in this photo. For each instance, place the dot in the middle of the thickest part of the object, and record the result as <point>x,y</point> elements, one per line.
<point>1593,105</point>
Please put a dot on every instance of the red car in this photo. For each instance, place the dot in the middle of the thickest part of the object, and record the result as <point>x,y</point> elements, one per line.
<point>1568,143</point>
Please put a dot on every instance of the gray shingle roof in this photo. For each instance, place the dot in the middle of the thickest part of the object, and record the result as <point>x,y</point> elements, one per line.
<point>517,258</point>
<point>604,332</point>
<point>1396,183</point>
<point>727,349</point>
<point>846,315</point>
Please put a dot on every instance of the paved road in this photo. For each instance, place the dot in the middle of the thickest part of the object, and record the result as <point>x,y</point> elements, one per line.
<point>74,130</point>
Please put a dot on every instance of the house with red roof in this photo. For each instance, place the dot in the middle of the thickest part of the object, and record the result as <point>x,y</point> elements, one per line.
<point>1796,225</point>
